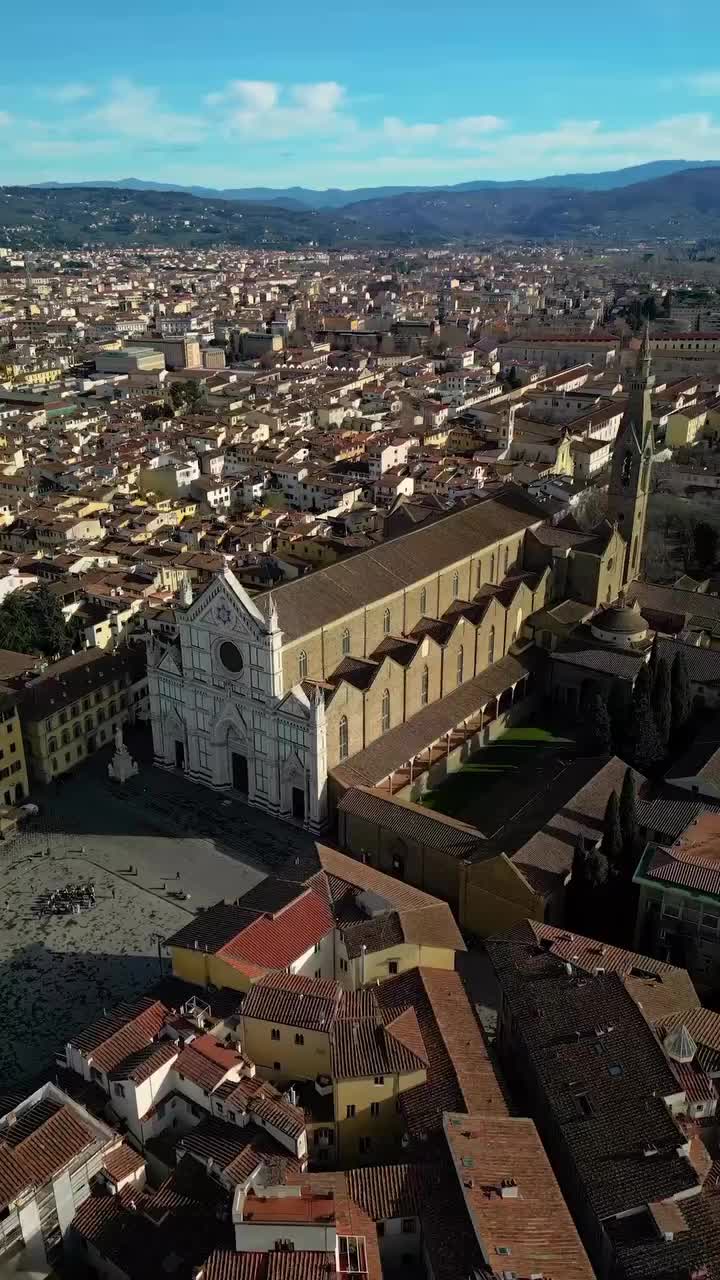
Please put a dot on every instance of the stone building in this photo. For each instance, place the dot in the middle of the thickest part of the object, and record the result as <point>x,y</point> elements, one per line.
<point>268,695</point>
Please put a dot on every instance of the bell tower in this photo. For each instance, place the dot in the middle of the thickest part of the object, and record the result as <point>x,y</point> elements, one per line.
<point>631,462</point>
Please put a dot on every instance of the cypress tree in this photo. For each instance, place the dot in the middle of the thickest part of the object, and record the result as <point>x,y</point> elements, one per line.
<point>629,825</point>
<point>679,694</point>
<point>661,702</point>
<point>612,841</point>
<point>644,746</point>
<point>595,728</point>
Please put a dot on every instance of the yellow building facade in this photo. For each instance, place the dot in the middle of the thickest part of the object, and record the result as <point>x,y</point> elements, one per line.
<point>14,785</point>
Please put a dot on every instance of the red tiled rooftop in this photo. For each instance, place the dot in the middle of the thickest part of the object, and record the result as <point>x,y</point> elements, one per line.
<point>308,1207</point>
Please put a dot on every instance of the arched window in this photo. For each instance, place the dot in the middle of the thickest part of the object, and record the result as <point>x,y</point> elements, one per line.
<point>456,585</point>
<point>491,647</point>
<point>478,575</point>
<point>88,724</point>
<point>112,708</point>
<point>492,567</point>
<point>424,687</point>
<point>343,738</point>
<point>460,664</point>
<point>52,746</point>
<point>65,736</point>
<point>423,602</point>
<point>302,665</point>
<point>386,711</point>
<point>386,622</point>
<point>507,559</point>
<point>345,642</point>
<point>76,731</point>
<point>101,714</point>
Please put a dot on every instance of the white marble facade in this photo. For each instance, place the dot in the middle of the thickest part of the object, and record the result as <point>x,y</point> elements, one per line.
<point>220,713</point>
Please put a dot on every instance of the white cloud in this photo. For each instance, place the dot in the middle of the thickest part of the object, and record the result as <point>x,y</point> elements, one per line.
<point>132,111</point>
<point>320,99</point>
<point>261,110</point>
<point>704,83</point>
<point>397,131</point>
<point>72,92</point>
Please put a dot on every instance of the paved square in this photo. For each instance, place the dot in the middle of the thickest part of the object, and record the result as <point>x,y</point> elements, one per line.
<point>58,972</point>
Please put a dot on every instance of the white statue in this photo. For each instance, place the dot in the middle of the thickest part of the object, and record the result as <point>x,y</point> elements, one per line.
<point>122,766</point>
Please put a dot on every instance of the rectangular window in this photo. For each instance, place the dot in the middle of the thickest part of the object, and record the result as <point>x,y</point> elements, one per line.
<point>379,1080</point>
<point>275,1034</point>
<point>392,966</point>
<point>299,1039</point>
<point>350,1111</point>
<point>374,1108</point>
<point>276,1066</point>
<point>408,1226</point>
<point>119,1090</point>
<point>364,1144</point>
<point>710,921</point>
<point>671,911</point>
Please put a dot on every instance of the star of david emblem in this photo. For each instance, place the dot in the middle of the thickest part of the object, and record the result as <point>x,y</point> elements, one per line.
<point>223,613</point>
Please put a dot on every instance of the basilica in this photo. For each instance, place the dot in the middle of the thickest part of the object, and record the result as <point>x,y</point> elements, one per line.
<point>273,697</point>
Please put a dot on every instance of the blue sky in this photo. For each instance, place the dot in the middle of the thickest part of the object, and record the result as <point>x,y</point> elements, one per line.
<point>404,91</point>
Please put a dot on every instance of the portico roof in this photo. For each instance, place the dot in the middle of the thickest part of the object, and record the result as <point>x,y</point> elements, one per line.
<point>398,746</point>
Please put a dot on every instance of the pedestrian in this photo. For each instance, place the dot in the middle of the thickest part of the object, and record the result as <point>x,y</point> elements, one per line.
<point>177,876</point>
<point>112,890</point>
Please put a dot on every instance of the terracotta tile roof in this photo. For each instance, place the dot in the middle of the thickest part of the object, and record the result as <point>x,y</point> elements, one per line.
<point>296,1265</point>
<point>386,1191</point>
<point>141,1064</point>
<point>559,1021</point>
<point>260,1099</point>
<point>132,1026</point>
<point>148,1234</point>
<point>460,1075</point>
<point>257,940</point>
<point>693,861</point>
<point>405,1029</point>
<point>536,1227</point>
<point>358,874</point>
<point>122,1162</point>
<point>276,941</point>
<point>236,1152</point>
<point>364,1047</point>
<point>659,988</point>
<point>546,859</point>
<point>43,1139</point>
<point>396,747</point>
<point>207,1074</point>
<point>413,822</point>
<point>293,1000</point>
<point>312,602</point>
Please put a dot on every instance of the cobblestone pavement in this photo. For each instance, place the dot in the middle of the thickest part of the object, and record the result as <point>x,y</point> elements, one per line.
<point>58,972</point>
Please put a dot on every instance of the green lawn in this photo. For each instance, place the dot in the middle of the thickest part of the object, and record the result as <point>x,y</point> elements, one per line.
<point>491,787</point>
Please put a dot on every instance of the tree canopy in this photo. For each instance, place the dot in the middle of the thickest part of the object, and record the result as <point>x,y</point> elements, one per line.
<point>32,622</point>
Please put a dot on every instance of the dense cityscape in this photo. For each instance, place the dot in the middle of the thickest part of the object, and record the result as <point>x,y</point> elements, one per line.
<point>360,763</point>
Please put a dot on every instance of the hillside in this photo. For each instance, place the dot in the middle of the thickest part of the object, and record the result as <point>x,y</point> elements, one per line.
<point>75,216</point>
<point>683,205</point>
<point>680,206</point>
<point>336,198</point>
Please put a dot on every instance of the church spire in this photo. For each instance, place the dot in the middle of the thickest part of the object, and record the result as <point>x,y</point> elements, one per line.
<point>644,357</point>
<point>631,461</point>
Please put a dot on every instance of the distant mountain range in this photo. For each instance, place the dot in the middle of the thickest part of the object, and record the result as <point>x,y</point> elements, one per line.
<point>335,198</point>
<point>684,205</point>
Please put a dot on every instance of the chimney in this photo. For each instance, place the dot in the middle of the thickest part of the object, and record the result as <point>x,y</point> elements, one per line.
<point>509,1189</point>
